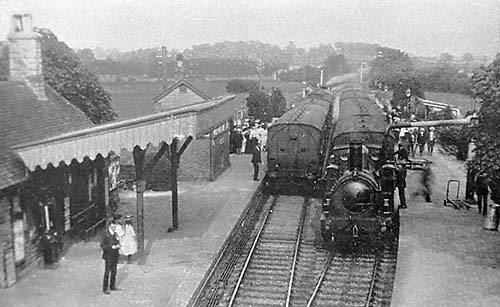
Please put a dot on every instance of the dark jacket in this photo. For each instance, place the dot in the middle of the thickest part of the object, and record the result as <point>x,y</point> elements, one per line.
<point>107,242</point>
<point>402,154</point>
<point>256,158</point>
<point>421,138</point>
<point>481,184</point>
<point>401,177</point>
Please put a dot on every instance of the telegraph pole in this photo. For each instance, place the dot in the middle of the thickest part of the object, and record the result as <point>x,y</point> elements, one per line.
<point>162,61</point>
<point>260,69</point>
<point>361,72</point>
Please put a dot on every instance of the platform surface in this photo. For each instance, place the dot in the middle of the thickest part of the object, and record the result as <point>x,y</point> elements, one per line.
<point>445,257</point>
<point>176,262</point>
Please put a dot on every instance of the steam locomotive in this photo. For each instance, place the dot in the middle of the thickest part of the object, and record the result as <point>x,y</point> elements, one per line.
<point>358,175</point>
<point>338,145</point>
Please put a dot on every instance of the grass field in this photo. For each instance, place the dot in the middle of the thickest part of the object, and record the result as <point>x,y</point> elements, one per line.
<point>133,99</point>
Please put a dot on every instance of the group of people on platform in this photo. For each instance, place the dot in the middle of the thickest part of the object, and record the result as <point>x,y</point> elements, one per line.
<point>118,239</point>
<point>414,139</point>
<point>245,137</point>
<point>402,157</point>
<point>484,187</point>
<point>250,139</point>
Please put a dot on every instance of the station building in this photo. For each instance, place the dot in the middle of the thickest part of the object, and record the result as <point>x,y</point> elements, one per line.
<point>207,156</point>
<point>57,168</point>
<point>67,198</point>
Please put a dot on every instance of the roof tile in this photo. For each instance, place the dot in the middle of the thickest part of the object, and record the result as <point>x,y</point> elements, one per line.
<point>23,118</point>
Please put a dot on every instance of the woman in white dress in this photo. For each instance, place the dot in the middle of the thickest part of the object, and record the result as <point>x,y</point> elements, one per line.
<point>128,241</point>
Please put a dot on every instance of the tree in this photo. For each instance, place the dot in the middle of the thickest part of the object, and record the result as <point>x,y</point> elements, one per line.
<point>445,58</point>
<point>335,65</point>
<point>86,56</point>
<point>278,102</point>
<point>64,72</point>
<point>241,86</point>
<point>390,67</point>
<point>258,106</point>
<point>486,134</point>
<point>468,58</point>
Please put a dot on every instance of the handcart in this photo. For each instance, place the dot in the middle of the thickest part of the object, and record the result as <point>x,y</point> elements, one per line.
<point>457,203</point>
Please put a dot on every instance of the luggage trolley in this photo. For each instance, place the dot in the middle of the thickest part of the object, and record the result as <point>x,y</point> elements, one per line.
<point>457,203</point>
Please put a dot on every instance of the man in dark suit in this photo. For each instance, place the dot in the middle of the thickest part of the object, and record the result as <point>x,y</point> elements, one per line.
<point>401,184</point>
<point>402,153</point>
<point>256,160</point>
<point>482,192</point>
<point>110,247</point>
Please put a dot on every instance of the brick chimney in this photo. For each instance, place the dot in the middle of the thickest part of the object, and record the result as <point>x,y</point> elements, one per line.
<point>25,55</point>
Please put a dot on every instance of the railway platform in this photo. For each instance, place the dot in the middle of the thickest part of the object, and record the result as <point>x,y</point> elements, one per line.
<point>176,262</point>
<point>445,256</point>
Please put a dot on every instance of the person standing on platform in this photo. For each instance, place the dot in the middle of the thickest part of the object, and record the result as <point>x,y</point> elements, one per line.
<point>256,160</point>
<point>110,246</point>
<point>128,242</point>
<point>421,140</point>
<point>244,141</point>
<point>119,230</point>
<point>482,192</point>
<point>402,154</point>
<point>412,142</point>
<point>401,184</point>
<point>432,140</point>
<point>238,141</point>
<point>427,182</point>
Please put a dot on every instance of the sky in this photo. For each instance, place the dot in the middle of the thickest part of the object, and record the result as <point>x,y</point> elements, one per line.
<point>419,27</point>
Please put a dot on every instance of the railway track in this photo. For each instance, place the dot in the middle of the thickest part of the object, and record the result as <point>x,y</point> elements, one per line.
<point>364,279</point>
<point>272,260</point>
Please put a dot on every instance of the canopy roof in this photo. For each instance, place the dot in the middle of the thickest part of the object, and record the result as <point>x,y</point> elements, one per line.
<point>126,134</point>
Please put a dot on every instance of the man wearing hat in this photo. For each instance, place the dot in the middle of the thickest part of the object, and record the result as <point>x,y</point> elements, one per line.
<point>421,140</point>
<point>401,184</point>
<point>402,153</point>
<point>432,139</point>
<point>110,246</point>
<point>256,160</point>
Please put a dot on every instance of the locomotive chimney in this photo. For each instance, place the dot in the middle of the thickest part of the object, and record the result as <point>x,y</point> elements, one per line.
<point>355,156</point>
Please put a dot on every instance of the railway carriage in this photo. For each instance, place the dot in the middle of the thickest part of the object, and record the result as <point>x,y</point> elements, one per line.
<point>296,144</point>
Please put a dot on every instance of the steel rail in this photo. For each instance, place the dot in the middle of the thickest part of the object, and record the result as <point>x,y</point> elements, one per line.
<point>320,280</point>
<point>296,252</point>
<point>250,254</point>
<point>372,283</point>
<point>247,211</point>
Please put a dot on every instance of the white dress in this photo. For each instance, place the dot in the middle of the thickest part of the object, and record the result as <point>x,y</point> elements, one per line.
<point>128,242</point>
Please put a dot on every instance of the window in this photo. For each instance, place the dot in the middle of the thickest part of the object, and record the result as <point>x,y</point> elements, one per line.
<point>182,89</point>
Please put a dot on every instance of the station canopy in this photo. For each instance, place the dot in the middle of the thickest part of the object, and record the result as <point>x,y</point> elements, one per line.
<point>113,137</point>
